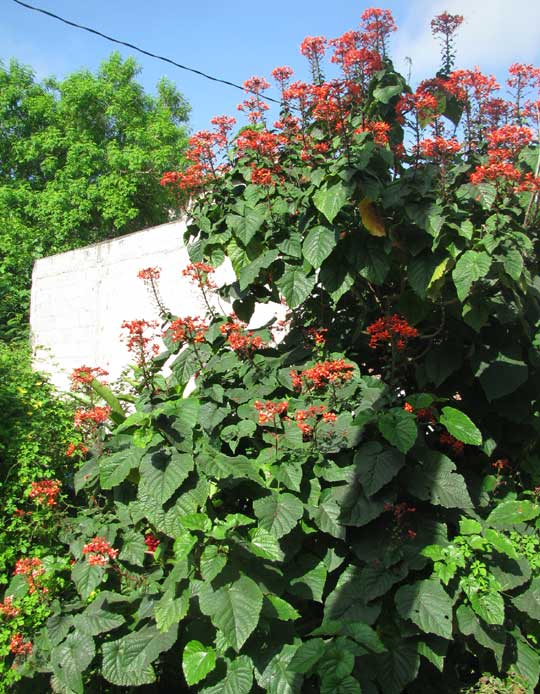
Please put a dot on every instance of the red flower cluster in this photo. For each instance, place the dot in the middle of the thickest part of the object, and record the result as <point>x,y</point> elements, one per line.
<point>18,646</point>
<point>318,335</point>
<point>254,106</point>
<point>94,416</point>
<point>446,439</point>
<point>151,542</point>
<point>313,48</point>
<point>137,342</point>
<point>323,373</point>
<point>446,24</point>
<point>83,376</point>
<point>73,448</point>
<point>501,465</point>
<point>7,608</point>
<point>99,551</point>
<point>504,145</point>
<point>32,568</point>
<point>241,341</point>
<point>261,176</point>
<point>401,514</point>
<point>282,75</point>
<point>439,148</point>
<point>390,330</point>
<point>376,27</point>
<point>149,274</point>
<point>379,130</point>
<point>314,413</point>
<point>423,414</point>
<point>45,491</point>
<point>188,330</point>
<point>269,411</point>
<point>200,274</point>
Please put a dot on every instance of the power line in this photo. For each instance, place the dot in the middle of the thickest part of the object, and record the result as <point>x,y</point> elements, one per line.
<point>142,50</point>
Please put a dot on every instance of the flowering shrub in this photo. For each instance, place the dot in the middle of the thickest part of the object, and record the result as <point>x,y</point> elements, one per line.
<point>328,513</point>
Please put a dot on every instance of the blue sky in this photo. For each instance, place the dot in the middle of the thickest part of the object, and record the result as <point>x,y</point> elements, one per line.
<point>240,38</point>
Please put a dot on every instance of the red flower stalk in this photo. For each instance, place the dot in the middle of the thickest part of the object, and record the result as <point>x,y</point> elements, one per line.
<point>269,411</point>
<point>99,551</point>
<point>313,48</point>
<point>138,342</point>
<point>45,491</point>
<point>314,414</point>
<point>73,448</point>
<point>96,415</point>
<point>262,176</point>
<point>376,26</point>
<point>322,374</point>
<point>188,330</point>
<point>318,335</point>
<point>149,274</point>
<point>241,341</point>
<point>19,647</point>
<point>254,106</point>
<point>391,330</point>
<point>439,148</point>
<point>83,376</point>
<point>445,26</point>
<point>379,130</point>
<point>199,273</point>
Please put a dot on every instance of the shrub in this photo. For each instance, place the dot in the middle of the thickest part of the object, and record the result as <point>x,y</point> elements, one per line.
<point>353,508</point>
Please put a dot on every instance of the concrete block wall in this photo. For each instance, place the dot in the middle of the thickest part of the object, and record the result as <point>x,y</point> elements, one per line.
<point>80,299</point>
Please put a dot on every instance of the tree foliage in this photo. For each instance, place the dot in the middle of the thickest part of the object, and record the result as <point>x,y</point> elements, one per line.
<point>80,160</point>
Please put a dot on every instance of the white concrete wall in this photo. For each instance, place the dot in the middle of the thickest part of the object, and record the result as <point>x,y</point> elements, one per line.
<point>80,299</point>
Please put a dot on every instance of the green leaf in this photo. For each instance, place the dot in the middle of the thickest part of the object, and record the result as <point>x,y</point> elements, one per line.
<point>384,94</point>
<point>489,606</point>
<point>281,609</point>
<point>309,653</point>
<point>245,226</point>
<point>434,649</point>
<point>513,264</point>
<point>437,481</point>
<point>278,513</point>
<point>212,562</point>
<point>529,601</point>
<point>126,662</point>
<point>397,667</point>
<point>94,622</point>
<point>234,609</point>
<point>470,267</point>
<point>163,472</point>
<point>71,658</point>
<point>513,512</point>
<point>239,678</point>
<point>264,544</point>
<point>492,637</point>
<point>318,245</point>
<point>86,577</point>
<point>376,465</point>
<point>326,517</point>
<point>308,578</point>
<point>170,610</point>
<point>114,469</point>
<point>197,661</point>
<point>528,661</point>
<point>250,273</point>
<point>501,543</point>
<point>469,526</point>
<point>277,677</point>
<point>460,426</point>
<point>295,285</point>
<point>133,547</point>
<point>502,375</point>
<point>427,605</point>
<point>330,199</point>
<point>399,428</point>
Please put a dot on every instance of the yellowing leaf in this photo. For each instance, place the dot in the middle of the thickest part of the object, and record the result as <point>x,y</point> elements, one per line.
<point>371,219</point>
<point>439,273</point>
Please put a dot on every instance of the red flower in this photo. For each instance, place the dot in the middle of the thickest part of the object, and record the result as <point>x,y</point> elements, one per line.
<point>83,376</point>
<point>322,374</point>
<point>149,274</point>
<point>451,442</point>
<point>269,411</point>
<point>199,273</point>
<point>137,340</point>
<point>446,24</point>
<point>74,447</point>
<point>408,407</point>
<point>45,491</point>
<point>151,542</point>
<point>18,646</point>
<point>439,148</point>
<point>7,609</point>
<point>95,415</point>
<point>318,335</point>
<point>390,330</point>
<point>241,341</point>
<point>32,568</point>
<point>99,551</point>
<point>261,176</point>
<point>188,330</point>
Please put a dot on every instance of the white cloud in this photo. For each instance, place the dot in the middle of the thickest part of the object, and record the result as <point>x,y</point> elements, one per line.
<point>494,34</point>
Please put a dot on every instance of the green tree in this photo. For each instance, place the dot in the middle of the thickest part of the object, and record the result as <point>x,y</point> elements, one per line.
<point>80,161</point>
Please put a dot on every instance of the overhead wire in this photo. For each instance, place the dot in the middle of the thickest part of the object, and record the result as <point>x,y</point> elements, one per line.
<point>143,51</point>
